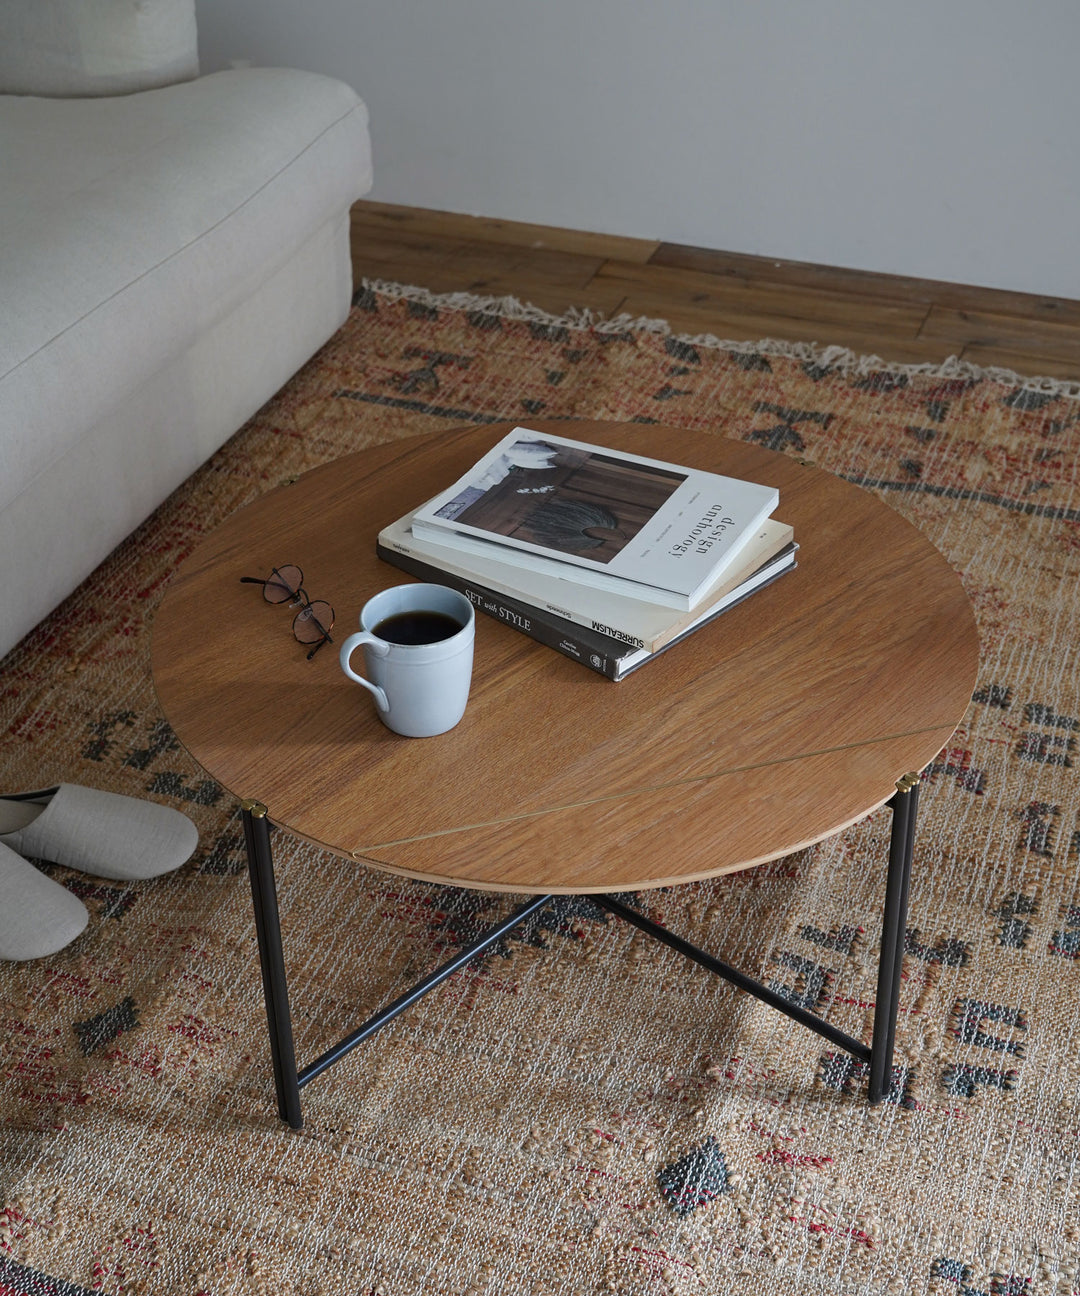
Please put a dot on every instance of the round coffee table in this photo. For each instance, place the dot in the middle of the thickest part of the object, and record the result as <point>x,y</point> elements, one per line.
<point>786,719</point>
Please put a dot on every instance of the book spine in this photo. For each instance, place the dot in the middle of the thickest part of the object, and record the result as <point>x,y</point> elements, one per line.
<point>596,651</point>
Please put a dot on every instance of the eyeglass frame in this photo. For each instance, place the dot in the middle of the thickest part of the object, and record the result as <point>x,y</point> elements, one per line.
<point>297,595</point>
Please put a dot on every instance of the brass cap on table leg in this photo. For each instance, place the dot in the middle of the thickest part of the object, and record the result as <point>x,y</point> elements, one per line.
<point>254,808</point>
<point>906,782</point>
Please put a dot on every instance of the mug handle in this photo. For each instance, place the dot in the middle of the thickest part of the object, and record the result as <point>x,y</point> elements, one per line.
<point>378,646</point>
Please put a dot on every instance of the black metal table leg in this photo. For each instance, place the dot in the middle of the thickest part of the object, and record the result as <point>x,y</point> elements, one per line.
<point>288,1081</point>
<point>904,805</point>
<point>721,969</point>
<point>461,959</point>
<point>271,960</point>
<point>879,1054</point>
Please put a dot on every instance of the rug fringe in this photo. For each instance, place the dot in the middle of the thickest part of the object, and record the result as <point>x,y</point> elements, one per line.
<point>832,357</point>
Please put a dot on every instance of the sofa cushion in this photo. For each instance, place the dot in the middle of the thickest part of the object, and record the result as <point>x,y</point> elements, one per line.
<point>130,225</point>
<point>95,47</point>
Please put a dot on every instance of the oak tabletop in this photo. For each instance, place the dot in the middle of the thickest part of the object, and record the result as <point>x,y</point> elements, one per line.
<point>786,719</point>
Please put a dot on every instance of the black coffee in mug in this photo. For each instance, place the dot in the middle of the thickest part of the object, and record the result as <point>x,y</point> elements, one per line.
<point>417,627</point>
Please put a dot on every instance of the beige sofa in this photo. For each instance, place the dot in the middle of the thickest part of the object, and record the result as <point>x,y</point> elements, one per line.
<point>169,256</point>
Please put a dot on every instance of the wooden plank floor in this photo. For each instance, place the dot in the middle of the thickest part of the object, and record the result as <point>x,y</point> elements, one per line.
<point>697,290</point>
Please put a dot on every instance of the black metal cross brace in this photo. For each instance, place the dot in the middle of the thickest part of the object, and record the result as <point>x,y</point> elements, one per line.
<point>288,1080</point>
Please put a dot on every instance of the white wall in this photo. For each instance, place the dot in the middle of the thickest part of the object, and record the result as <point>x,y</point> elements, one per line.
<point>936,138</point>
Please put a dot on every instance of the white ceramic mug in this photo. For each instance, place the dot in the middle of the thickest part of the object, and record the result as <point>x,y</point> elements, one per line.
<point>420,689</point>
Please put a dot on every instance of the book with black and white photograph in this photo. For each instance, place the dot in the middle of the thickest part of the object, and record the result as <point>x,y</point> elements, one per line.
<point>617,520</point>
<point>633,621</point>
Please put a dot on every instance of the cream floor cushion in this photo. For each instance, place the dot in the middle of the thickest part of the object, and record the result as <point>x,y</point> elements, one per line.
<point>167,260</point>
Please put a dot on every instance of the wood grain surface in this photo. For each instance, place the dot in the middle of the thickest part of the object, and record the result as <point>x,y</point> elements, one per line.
<point>783,721</point>
<point>728,294</point>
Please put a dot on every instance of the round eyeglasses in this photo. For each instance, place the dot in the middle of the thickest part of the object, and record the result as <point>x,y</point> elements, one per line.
<point>315,619</point>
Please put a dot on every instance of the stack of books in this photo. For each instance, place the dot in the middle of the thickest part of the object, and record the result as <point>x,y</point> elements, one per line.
<point>608,557</point>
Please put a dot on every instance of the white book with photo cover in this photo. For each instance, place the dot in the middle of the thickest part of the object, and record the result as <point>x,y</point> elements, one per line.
<point>633,621</point>
<point>598,516</point>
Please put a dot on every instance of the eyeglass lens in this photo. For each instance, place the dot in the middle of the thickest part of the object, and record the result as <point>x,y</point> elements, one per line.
<point>313,622</point>
<point>283,584</point>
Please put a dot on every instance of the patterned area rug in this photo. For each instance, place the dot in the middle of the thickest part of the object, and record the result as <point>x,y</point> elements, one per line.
<point>580,1111</point>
